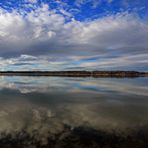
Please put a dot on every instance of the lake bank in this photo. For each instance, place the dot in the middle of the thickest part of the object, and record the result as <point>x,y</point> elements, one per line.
<point>95,74</point>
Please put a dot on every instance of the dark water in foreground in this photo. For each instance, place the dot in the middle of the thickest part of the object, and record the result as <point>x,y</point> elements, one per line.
<point>73,112</point>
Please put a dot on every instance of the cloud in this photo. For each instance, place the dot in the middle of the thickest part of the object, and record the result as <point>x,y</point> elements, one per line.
<point>32,1</point>
<point>94,3</point>
<point>46,34</point>
<point>110,1</point>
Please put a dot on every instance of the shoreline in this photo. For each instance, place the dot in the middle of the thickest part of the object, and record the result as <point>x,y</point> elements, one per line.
<point>96,74</point>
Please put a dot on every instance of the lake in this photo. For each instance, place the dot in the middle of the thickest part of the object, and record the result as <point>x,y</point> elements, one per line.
<point>73,112</point>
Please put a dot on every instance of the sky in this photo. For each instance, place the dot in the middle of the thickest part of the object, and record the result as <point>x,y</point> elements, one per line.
<point>74,35</point>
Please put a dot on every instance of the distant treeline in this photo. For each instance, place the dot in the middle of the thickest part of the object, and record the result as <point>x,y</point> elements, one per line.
<point>76,73</point>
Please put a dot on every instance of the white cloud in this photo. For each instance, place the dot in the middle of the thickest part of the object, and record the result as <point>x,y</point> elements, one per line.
<point>47,33</point>
<point>32,1</point>
<point>94,3</point>
<point>65,13</point>
<point>110,1</point>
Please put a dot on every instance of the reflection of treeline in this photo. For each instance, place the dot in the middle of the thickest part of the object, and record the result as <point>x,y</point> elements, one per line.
<point>77,73</point>
<point>79,137</point>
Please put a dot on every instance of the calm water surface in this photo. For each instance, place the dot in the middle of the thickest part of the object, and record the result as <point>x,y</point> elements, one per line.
<point>48,104</point>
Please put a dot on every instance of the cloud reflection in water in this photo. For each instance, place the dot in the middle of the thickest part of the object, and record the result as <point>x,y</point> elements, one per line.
<point>47,104</point>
